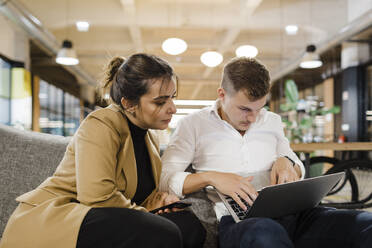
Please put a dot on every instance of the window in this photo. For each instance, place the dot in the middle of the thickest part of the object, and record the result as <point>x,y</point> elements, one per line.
<point>21,99</point>
<point>4,92</point>
<point>59,111</point>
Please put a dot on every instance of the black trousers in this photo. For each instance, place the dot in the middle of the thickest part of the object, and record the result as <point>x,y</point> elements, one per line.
<point>126,228</point>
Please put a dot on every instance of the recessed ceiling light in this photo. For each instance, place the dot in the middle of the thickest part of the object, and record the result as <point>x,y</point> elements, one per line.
<point>174,46</point>
<point>82,26</point>
<point>291,29</point>
<point>211,58</point>
<point>246,51</point>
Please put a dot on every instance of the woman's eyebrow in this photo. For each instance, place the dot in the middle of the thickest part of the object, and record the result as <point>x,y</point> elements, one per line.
<point>164,96</point>
<point>160,97</point>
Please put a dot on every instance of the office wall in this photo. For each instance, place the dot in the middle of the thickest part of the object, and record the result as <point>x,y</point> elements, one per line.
<point>14,44</point>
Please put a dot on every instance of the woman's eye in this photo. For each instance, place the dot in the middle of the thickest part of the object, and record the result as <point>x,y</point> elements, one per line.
<point>160,103</point>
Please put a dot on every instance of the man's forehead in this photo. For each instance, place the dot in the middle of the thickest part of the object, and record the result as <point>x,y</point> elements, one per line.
<point>244,99</point>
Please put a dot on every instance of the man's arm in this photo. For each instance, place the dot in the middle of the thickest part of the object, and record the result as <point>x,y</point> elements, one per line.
<point>177,157</point>
<point>181,152</point>
<point>283,169</point>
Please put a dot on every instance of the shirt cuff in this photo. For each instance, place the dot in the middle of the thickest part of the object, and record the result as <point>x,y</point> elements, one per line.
<point>175,183</point>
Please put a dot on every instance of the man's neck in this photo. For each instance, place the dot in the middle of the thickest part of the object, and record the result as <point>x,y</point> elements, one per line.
<point>224,117</point>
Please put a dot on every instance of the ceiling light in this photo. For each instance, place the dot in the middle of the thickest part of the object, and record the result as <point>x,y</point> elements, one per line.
<point>311,59</point>
<point>291,29</point>
<point>246,51</point>
<point>67,55</point>
<point>174,46</point>
<point>211,59</point>
<point>82,26</point>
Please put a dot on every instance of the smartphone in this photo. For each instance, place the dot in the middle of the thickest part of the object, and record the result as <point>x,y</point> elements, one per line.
<point>178,204</point>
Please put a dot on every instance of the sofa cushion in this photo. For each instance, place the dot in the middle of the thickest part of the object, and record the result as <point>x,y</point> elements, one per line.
<point>203,209</point>
<point>26,160</point>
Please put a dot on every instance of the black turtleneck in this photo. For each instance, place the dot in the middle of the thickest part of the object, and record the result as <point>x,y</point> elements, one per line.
<point>145,178</point>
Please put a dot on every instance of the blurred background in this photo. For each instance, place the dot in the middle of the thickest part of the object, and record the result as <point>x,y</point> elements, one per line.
<point>41,93</point>
<point>319,53</point>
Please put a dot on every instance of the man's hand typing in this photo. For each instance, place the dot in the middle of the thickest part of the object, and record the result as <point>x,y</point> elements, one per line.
<point>234,186</point>
<point>283,171</point>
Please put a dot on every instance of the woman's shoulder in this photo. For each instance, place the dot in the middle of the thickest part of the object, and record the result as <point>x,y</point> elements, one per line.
<point>111,117</point>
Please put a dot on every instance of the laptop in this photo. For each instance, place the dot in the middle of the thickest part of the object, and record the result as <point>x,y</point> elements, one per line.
<point>284,199</point>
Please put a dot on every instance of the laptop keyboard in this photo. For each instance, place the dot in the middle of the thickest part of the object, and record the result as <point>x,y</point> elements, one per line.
<point>237,209</point>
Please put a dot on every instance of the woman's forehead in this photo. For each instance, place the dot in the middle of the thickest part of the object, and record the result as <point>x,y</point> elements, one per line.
<point>161,87</point>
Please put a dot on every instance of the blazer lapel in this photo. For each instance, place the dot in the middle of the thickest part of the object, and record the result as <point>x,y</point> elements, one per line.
<point>127,158</point>
<point>129,167</point>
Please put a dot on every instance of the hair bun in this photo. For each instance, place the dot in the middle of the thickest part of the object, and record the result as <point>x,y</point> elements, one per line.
<point>111,70</point>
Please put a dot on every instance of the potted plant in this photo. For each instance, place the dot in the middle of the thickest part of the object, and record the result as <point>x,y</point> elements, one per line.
<point>300,124</point>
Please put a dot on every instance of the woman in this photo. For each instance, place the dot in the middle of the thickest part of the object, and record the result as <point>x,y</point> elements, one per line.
<point>108,180</point>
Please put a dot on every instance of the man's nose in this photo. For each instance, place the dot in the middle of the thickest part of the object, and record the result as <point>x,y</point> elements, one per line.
<point>252,117</point>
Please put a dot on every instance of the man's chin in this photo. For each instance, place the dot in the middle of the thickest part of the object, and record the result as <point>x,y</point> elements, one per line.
<point>244,127</point>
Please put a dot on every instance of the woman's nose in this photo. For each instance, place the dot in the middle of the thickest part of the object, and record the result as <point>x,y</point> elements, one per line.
<point>172,108</point>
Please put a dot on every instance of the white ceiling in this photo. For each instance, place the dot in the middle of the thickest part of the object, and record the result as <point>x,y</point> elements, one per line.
<point>123,27</point>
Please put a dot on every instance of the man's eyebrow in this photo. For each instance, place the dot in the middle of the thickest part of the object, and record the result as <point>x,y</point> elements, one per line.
<point>248,108</point>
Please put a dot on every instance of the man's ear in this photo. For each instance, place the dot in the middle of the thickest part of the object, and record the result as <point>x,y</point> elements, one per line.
<point>221,93</point>
<point>127,105</point>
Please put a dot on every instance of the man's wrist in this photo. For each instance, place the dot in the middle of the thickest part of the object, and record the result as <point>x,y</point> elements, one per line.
<point>290,160</point>
<point>207,178</point>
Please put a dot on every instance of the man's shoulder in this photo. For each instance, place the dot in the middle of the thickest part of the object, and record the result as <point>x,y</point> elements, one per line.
<point>199,115</point>
<point>272,115</point>
<point>267,115</point>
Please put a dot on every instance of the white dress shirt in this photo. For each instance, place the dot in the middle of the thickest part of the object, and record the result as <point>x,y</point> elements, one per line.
<point>209,143</point>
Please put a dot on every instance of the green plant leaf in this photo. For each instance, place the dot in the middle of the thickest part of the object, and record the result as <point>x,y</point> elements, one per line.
<point>333,110</point>
<point>306,122</point>
<point>291,92</point>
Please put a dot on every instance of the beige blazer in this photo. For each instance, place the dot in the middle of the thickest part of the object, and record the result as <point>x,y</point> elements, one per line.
<point>97,170</point>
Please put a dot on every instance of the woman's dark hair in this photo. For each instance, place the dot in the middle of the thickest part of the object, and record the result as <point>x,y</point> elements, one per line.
<point>130,78</point>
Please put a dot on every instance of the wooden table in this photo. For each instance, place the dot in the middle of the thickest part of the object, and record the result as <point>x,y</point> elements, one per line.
<point>310,147</point>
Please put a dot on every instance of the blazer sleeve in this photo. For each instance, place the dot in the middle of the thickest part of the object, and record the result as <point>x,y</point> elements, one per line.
<point>96,147</point>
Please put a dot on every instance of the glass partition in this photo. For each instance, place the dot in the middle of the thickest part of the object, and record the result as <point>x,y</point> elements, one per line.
<point>4,92</point>
<point>21,99</point>
<point>59,110</point>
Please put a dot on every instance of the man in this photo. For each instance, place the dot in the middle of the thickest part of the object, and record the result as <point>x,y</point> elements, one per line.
<point>237,146</point>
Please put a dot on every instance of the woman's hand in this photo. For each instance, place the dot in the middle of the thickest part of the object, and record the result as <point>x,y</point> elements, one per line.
<point>161,199</point>
<point>156,201</point>
<point>235,186</point>
<point>170,198</point>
